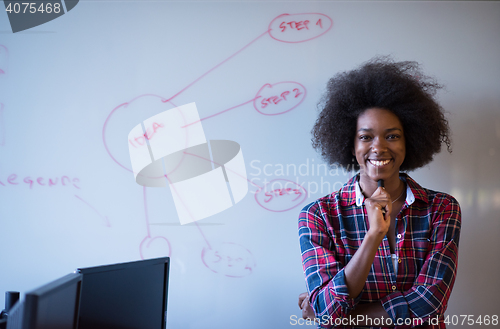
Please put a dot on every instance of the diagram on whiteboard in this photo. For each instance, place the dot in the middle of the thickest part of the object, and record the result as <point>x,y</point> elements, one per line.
<point>213,171</point>
<point>175,140</point>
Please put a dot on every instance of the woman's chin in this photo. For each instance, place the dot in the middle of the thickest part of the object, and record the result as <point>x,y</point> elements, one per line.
<point>376,174</point>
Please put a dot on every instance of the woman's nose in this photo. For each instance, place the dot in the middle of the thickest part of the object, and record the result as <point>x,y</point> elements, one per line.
<point>379,145</point>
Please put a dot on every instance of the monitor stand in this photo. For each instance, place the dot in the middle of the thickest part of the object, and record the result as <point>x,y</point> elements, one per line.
<point>11,298</point>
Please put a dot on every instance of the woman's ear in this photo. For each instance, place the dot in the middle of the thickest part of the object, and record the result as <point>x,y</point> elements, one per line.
<point>353,152</point>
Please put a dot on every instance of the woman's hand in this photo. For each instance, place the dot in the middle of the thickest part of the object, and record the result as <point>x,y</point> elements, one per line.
<point>379,223</point>
<point>307,311</point>
<point>358,268</point>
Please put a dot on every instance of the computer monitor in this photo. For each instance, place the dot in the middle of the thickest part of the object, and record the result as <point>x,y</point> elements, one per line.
<point>52,306</point>
<point>125,296</point>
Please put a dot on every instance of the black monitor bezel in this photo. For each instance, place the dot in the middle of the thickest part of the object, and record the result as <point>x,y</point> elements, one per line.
<point>136,264</point>
<point>32,299</point>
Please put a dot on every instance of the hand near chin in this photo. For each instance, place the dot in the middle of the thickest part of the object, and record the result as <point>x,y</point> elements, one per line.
<point>379,223</point>
<point>307,311</point>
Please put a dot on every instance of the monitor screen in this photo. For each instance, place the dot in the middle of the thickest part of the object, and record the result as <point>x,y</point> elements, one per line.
<point>125,296</point>
<point>52,306</point>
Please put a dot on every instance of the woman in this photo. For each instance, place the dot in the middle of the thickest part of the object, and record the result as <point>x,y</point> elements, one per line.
<point>378,256</point>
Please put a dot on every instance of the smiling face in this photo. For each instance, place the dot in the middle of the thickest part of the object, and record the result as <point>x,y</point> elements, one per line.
<point>379,144</point>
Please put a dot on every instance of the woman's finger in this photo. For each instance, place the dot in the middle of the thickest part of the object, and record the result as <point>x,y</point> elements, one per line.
<point>303,296</point>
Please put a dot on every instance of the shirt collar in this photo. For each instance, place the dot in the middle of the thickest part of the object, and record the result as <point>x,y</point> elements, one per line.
<point>351,192</point>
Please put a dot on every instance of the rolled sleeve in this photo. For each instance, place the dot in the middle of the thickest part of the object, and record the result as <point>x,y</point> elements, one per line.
<point>340,292</point>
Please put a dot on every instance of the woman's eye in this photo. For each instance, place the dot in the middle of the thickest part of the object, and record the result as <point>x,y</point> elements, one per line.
<point>364,137</point>
<point>393,137</point>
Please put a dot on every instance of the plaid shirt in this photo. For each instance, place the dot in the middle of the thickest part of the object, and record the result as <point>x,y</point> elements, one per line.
<point>332,228</point>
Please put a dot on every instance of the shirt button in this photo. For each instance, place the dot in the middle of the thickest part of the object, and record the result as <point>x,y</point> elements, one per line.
<point>394,288</point>
<point>399,236</point>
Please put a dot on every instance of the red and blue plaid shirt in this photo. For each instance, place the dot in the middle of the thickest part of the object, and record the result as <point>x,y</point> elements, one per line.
<point>332,228</point>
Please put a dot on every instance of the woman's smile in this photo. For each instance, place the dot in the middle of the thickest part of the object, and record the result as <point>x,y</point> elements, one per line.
<point>379,163</point>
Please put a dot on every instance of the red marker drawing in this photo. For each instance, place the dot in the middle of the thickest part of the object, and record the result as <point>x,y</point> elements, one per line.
<point>4,54</point>
<point>105,218</point>
<point>271,99</point>
<point>296,28</point>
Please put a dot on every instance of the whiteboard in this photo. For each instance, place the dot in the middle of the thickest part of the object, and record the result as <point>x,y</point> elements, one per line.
<point>72,90</point>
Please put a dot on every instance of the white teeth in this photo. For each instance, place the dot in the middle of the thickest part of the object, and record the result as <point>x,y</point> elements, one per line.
<point>380,163</point>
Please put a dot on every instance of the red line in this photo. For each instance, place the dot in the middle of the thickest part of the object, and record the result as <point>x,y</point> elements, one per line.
<point>6,56</point>
<point>213,68</point>
<point>146,211</point>
<point>210,116</point>
<point>203,234</point>
<point>88,204</point>
<point>109,117</point>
